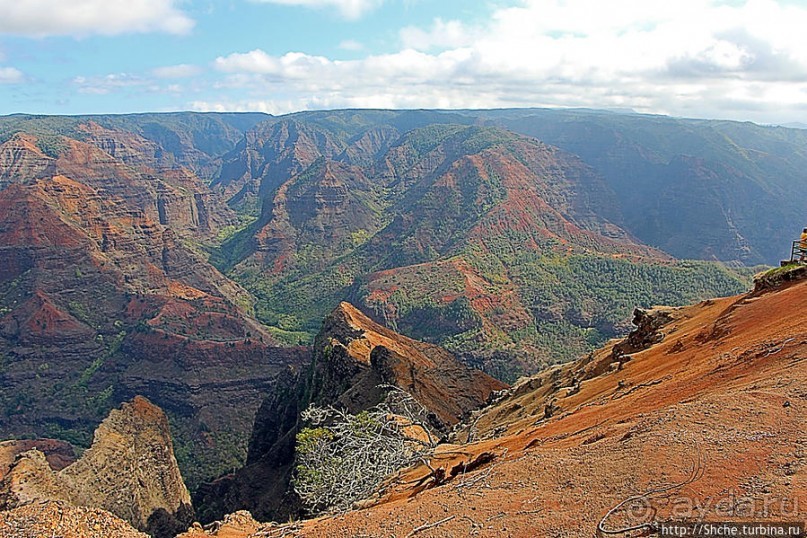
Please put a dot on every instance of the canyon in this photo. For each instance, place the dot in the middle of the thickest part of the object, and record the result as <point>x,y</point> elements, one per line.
<point>190,259</point>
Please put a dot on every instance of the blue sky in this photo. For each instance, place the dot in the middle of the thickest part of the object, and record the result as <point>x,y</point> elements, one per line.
<point>734,59</point>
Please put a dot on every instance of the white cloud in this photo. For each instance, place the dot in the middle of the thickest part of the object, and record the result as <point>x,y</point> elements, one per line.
<point>11,75</point>
<point>292,65</point>
<point>106,84</point>
<point>177,71</point>
<point>442,35</point>
<point>351,44</point>
<point>40,18</point>
<point>744,60</point>
<point>349,9</point>
<point>268,107</point>
<point>126,85</point>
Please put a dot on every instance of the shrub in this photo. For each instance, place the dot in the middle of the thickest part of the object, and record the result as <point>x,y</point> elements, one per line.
<point>343,458</point>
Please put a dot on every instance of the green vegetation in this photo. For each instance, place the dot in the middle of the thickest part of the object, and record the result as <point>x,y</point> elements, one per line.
<point>110,349</point>
<point>52,146</point>
<point>778,272</point>
<point>102,401</point>
<point>203,454</point>
<point>80,312</point>
<point>461,234</point>
<point>78,437</point>
<point>228,232</point>
<point>235,246</point>
<point>296,302</point>
<point>576,302</point>
<point>343,458</point>
<point>776,277</point>
<point>290,338</point>
<point>425,139</point>
<point>596,291</point>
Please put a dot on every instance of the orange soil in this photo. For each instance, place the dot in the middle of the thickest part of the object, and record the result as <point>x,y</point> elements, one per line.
<point>725,394</point>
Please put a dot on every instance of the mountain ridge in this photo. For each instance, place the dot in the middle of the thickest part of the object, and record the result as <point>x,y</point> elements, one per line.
<point>443,194</point>
<point>699,407</point>
<point>511,265</point>
<point>129,470</point>
<point>354,365</point>
<point>102,275</point>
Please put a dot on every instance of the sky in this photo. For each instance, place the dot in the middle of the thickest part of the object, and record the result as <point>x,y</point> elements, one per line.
<point>726,59</point>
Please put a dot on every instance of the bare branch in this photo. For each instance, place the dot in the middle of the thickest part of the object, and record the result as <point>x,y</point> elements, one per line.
<point>344,458</point>
<point>695,474</point>
<point>429,526</point>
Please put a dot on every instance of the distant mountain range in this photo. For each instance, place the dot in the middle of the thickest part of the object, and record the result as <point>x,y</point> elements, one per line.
<point>187,257</point>
<point>795,125</point>
<point>105,291</point>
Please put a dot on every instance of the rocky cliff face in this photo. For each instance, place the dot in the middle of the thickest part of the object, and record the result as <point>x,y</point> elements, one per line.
<point>438,231</point>
<point>262,485</point>
<point>706,421</point>
<point>58,454</point>
<point>442,185</point>
<point>20,157</point>
<point>105,295</point>
<point>696,189</point>
<point>352,357</point>
<point>269,155</point>
<point>61,519</point>
<point>330,206</point>
<point>118,164</point>
<point>130,470</point>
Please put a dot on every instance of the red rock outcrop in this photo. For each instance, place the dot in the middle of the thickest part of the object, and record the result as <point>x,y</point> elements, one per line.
<point>22,159</point>
<point>234,525</point>
<point>58,454</point>
<point>130,470</point>
<point>705,422</point>
<point>354,355</point>
<point>99,285</point>
<point>353,358</point>
<point>64,520</point>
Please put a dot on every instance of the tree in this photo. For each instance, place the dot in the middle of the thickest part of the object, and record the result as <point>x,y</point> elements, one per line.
<point>342,458</point>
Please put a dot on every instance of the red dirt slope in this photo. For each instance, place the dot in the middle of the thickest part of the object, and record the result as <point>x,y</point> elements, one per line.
<point>720,402</point>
